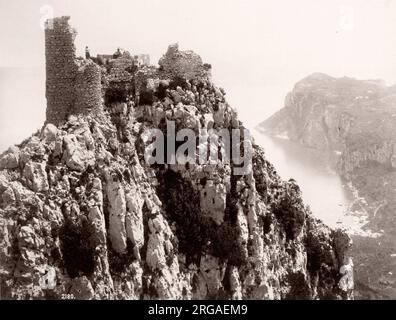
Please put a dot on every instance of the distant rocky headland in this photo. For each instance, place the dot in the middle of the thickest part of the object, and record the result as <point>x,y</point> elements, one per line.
<point>83,216</point>
<point>356,120</point>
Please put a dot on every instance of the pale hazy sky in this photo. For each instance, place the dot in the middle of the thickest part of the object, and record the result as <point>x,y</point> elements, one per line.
<point>258,48</point>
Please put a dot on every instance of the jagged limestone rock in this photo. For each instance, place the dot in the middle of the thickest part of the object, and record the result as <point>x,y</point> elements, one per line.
<point>117,211</point>
<point>49,133</point>
<point>77,156</point>
<point>36,176</point>
<point>213,201</point>
<point>134,218</point>
<point>10,159</point>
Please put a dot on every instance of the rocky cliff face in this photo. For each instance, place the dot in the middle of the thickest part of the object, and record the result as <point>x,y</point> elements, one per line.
<point>82,215</point>
<point>357,120</point>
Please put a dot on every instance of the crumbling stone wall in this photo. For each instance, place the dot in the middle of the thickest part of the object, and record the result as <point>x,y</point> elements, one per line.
<point>182,64</point>
<point>118,78</point>
<point>61,69</point>
<point>120,69</point>
<point>88,88</point>
<point>143,59</point>
<point>73,85</point>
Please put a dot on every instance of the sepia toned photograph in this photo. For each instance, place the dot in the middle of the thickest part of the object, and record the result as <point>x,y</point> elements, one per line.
<point>213,150</point>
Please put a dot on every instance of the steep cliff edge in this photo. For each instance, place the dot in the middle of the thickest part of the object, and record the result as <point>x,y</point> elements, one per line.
<point>82,214</point>
<point>354,117</point>
<point>356,120</point>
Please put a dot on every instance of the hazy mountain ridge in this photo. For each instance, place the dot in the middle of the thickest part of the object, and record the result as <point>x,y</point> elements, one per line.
<point>357,120</point>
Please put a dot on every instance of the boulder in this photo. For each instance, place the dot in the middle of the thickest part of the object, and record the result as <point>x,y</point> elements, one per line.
<point>76,156</point>
<point>35,175</point>
<point>10,159</point>
<point>49,133</point>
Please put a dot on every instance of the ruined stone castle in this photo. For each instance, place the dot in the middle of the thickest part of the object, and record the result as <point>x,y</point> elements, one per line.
<point>76,85</point>
<point>73,85</point>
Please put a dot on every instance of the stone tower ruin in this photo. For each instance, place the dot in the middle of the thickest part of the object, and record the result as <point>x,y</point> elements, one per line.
<point>73,85</point>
